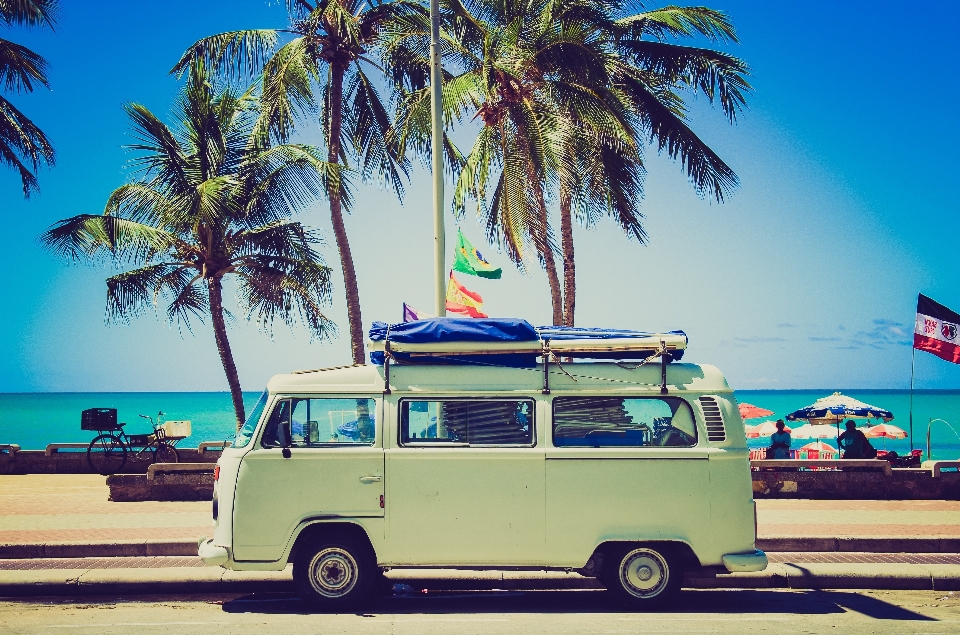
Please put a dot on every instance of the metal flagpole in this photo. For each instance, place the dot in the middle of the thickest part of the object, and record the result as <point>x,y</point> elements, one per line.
<point>436,79</point>
<point>913,362</point>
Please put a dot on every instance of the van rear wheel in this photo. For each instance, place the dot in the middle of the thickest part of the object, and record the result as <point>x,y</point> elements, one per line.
<point>642,577</point>
<point>334,573</point>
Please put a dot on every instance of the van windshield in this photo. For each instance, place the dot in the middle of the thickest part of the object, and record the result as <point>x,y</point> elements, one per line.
<point>245,433</point>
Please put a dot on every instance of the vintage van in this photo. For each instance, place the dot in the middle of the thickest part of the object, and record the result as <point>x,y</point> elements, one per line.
<point>631,472</point>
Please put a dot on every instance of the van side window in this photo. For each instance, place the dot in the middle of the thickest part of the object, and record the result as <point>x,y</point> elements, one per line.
<point>322,422</point>
<point>468,422</point>
<point>600,422</point>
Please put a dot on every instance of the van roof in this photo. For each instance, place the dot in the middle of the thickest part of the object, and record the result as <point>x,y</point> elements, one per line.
<point>476,378</point>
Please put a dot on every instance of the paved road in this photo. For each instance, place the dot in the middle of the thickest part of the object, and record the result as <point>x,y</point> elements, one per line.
<point>526,613</point>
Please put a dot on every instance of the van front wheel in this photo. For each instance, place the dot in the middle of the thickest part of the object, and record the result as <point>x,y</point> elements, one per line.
<point>334,574</point>
<point>643,577</point>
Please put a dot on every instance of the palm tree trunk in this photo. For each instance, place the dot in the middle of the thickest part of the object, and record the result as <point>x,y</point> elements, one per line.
<point>569,265</point>
<point>223,346</point>
<point>336,216</point>
<point>546,254</point>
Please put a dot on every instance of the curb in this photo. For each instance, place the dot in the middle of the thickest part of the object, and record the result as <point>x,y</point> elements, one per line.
<point>120,548</point>
<point>115,549</point>
<point>210,580</point>
<point>873,545</point>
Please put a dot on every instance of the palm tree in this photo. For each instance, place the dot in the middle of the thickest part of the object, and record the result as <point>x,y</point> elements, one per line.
<point>647,78</point>
<point>23,146</point>
<point>323,70</point>
<point>214,201</point>
<point>569,92</point>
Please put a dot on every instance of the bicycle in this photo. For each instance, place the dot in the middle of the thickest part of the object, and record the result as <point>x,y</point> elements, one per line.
<point>107,453</point>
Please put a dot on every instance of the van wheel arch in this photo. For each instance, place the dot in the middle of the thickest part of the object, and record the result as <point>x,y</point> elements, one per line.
<point>601,556</point>
<point>323,530</point>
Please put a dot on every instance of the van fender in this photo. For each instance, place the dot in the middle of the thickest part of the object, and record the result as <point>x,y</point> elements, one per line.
<point>311,528</point>
<point>594,566</point>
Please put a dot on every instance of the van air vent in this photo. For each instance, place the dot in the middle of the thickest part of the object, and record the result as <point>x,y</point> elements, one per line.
<point>713,419</point>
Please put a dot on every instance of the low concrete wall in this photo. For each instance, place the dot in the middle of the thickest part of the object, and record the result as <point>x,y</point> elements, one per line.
<point>126,488</point>
<point>902,484</point>
<point>74,462</point>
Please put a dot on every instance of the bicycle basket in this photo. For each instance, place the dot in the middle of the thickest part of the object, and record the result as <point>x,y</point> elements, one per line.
<point>176,429</point>
<point>99,419</point>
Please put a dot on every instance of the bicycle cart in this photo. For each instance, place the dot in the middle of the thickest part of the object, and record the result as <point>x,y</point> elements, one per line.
<point>107,453</point>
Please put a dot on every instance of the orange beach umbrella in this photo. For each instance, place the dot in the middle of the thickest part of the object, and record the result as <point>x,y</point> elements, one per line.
<point>765,429</point>
<point>749,411</point>
<point>884,430</point>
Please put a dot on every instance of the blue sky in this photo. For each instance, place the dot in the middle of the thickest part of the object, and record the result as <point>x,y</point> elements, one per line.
<point>806,278</point>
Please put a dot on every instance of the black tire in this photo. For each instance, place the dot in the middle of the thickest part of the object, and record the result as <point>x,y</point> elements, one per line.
<point>335,573</point>
<point>106,454</point>
<point>165,453</point>
<point>643,577</point>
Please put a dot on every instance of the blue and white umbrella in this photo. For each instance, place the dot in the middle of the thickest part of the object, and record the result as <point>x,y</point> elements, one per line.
<point>836,408</point>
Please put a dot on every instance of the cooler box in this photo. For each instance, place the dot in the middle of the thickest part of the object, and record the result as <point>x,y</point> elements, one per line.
<point>99,419</point>
<point>176,429</point>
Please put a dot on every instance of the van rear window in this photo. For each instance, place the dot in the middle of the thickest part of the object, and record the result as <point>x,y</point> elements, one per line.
<point>602,422</point>
<point>466,422</point>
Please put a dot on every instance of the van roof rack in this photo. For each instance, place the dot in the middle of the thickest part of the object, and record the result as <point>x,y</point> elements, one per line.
<point>513,342</point>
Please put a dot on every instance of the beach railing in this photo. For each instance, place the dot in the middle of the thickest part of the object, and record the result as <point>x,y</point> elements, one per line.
<point>835,464</point>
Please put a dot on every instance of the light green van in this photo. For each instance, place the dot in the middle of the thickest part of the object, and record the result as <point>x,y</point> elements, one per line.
<point>604,468</point>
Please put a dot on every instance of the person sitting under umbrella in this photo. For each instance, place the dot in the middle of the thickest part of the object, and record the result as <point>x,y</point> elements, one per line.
<point>779,443</point>
<point>855,444</point>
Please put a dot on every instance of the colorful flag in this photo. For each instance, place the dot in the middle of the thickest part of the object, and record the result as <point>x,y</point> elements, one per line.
<point>937,330</point>
<point>411,314</point>
<point>466,259</point>
<point>463,301</point>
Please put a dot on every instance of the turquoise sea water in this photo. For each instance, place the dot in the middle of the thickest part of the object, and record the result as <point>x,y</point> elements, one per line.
<point>33,420</point>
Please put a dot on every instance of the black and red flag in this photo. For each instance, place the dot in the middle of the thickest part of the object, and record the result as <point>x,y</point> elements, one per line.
<point>937,330</point>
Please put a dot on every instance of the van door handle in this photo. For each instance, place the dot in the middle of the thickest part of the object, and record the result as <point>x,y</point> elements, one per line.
<point>371,479</point>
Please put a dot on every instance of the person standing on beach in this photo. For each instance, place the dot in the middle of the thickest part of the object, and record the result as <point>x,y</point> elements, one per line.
<point>780,442</point>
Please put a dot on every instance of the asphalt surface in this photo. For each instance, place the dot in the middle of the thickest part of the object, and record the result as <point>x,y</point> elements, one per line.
<point>554,612</point>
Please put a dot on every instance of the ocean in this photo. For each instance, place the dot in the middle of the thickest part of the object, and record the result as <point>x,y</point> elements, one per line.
<point>33,420</point>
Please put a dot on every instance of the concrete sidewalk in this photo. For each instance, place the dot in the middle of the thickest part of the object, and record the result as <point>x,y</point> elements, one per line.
<point>70,516</point>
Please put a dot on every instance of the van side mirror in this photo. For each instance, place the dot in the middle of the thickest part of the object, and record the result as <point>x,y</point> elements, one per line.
<point>283,437</point>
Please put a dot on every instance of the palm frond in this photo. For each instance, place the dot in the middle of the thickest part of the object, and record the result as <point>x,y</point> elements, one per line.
<point>706,171</point>
<point>234,53</point>
<point>289,78</point>
<point>20,68</point>
<point>715,74</point>
<point>23,146</point>
<point>29,12</point>
<point>94,237</point>
<point>673,21</point>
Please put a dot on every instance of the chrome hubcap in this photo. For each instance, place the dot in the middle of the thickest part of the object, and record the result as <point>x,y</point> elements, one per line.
<point>333,572</point>
<point>644,573</point>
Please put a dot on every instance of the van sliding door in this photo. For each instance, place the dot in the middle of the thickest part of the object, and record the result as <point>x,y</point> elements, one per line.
<point>623,469</point>
<point>465,485</point>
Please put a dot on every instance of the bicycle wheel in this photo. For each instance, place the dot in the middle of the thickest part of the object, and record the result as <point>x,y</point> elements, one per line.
<point>165,453</point>
<point>106,454</point>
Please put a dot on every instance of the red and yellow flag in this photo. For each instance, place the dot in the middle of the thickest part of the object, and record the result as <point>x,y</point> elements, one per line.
<point>463,301</point>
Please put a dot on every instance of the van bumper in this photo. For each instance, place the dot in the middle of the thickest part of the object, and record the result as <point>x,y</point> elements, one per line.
<point>212,554</point>
<point>743,562</point>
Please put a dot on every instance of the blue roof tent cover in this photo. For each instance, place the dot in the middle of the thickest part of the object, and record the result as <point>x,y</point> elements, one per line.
<point>459,330</point>
<point>500,330</point>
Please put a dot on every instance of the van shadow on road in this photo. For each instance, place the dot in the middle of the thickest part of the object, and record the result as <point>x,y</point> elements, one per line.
<point>689,602</point>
